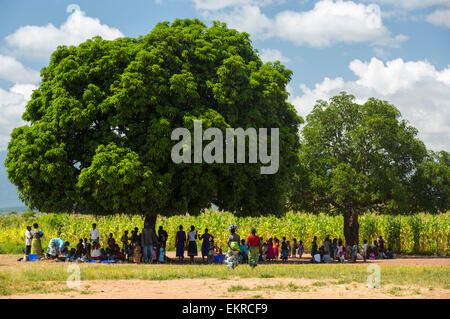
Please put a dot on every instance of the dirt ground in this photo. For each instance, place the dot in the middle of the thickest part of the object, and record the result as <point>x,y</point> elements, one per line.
<point>283,288</point>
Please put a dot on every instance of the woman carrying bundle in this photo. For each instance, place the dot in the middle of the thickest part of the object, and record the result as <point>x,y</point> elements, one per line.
<point>232,257</point>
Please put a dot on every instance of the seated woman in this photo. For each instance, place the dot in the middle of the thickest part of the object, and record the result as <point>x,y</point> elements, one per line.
<point>56,248</point>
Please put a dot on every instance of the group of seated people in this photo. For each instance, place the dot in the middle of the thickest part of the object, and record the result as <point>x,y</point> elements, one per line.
<point>91,251</point>
<point>335,250</point>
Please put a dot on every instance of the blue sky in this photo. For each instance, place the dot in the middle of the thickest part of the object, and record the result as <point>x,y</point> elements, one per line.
<point>396,50</point>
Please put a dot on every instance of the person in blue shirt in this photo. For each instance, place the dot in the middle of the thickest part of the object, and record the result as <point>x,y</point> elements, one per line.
<point>243,252</point>
<point>56,247</point>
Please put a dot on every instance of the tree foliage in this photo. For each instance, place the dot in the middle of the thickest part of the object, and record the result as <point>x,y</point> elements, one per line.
<point>356,158</point>
<point>98,137</point>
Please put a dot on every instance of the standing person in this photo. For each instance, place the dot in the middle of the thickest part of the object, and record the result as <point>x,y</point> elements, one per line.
<point>162,239</point>
<point>211,251</point>
<point>333,248</point>
<point>264,249</point>
<point>95,234</point>
<point>192,244</point>
<point>254,244</point>
<point>28,239</point>
<point>270,251</point>
<point>276,246</point>
<point>314,249</point>
<point>124,241</point>
<point>36,246</point>
<point>300,249</point>
<point>205,244</point>
<point>233,247</point>
<point>364,250</point>
<point>381,248</point>
<point>340,251</point>
<point>294,247</point>
<point>326,245</point>
<point>148,240</point>
<point>284,250</point>
<point>180,239</point>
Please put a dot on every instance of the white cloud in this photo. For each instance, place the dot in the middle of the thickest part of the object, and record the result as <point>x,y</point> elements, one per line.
<point>440,18</point>
<point>39,41</point>
<point>246,18</point>
<point>327,23</point>
<point>412,4</point>
<point>271,55</point>
<point>222,4</point>
<point>12,70</point>
<point>416,88</point>
<point>12,106</point>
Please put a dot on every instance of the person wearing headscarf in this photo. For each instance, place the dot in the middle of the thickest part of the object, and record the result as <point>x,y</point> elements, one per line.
<point>232,257</point>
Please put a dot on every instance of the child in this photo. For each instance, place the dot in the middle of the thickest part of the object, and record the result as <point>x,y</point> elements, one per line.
<point>354,252</point>
<point>161,255</point>
<point>348,252</point>
<point>300,249</point>
<point>364,250</point>
<point>264,251</point>
<point>80,248</point>
<point>211,250</point>
<point>340,252</point>
<point>28,239</point>
<point>137,252</point>
<point>243,257</point>
<point>111,240</point>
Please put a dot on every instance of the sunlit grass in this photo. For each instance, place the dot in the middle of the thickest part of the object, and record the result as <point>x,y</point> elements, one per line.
<point>32,279</point>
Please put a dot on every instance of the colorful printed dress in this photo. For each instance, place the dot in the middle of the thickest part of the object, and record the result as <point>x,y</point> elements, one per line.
<point>270,251</point>
<point>36,246</point>
<point>253,250</point>
<point>232,256</point>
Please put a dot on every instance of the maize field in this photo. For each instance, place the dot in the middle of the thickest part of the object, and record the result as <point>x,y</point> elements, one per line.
<point>416,234</point>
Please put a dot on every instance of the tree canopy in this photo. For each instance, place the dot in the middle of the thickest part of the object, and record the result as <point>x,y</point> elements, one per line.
<point>98,137</point>
<point>356,158</point>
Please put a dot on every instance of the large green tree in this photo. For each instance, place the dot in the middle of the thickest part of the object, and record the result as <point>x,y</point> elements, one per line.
<point>356,158</point>
<point>98,137</point>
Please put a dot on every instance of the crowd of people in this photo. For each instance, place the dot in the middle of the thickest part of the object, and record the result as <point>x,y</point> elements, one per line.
<point>148,247</point>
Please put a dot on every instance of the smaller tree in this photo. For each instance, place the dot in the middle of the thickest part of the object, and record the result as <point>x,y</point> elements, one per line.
<point>355,158</point>
<point>431,183</point>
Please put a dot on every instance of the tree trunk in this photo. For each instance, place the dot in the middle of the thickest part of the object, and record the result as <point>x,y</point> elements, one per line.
<point>151,219</point>
<point>351,228</point>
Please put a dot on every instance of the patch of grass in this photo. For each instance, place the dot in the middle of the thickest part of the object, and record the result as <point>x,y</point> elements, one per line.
<point>396,291</point>
<point>237,288</point>
<point>17,279</point>
<point>342,282</point>
<point>86,292</point>
<point>319,283</point>
<point>256,297</point>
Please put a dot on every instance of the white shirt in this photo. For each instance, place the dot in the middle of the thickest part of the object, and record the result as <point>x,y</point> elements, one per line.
<point>95,234</point>
<point>191,235</point>
<point>28,238</point>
